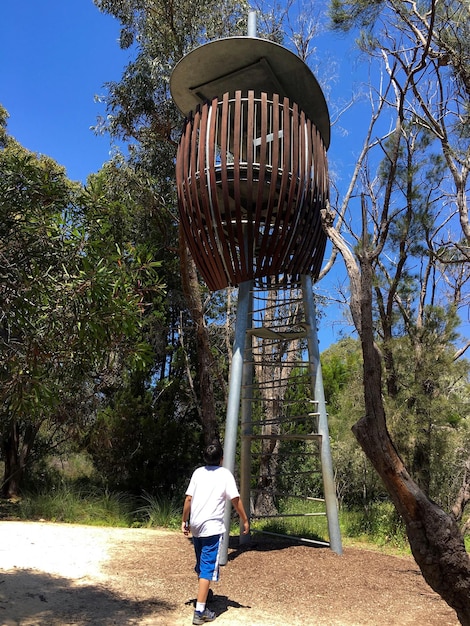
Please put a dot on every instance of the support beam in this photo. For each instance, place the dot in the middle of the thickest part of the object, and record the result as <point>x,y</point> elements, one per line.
<point>233,405</point>
<point>319,394</point>
<point>246,426</point>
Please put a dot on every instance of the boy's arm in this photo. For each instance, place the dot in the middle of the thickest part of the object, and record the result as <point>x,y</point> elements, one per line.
<point>186,512</point>
<point>240,509</point>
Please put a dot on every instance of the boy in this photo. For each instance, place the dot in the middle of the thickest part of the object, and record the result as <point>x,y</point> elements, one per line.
<point>209,488</point>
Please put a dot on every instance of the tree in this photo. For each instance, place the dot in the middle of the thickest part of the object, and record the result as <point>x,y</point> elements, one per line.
<point>148,414</point>
<point>69,304</point>
<point>142,113</point>
<point>417,51</point>
<point>274,363</point>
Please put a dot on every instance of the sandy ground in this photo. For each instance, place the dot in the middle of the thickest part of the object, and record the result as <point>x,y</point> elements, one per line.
<point>67,575</point>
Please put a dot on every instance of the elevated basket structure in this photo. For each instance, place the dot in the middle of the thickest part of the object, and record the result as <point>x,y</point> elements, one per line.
<point>252,178</point>
<point>251,166</point>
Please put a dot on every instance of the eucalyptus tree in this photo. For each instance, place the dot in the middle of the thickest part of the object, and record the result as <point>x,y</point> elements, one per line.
<point>68,305</point>
<point>421,50</point>
<point>142,114</point>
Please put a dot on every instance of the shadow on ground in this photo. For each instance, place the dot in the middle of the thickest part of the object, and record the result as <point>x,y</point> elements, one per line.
<point>220,604</point>
<point>28,597</point>
<point>262,543</point>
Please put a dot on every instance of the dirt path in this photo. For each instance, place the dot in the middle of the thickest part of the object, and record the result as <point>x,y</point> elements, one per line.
<point>65,575</point>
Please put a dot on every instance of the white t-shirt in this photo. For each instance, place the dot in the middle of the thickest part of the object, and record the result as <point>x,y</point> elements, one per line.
<point>210,487</point>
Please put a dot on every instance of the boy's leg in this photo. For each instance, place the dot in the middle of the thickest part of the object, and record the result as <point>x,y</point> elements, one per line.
<point>208,571</point>
<point>203,590</point>
<point>201,613</point>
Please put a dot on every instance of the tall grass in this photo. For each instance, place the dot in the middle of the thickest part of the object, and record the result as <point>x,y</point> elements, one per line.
<point>98,507</point>
<point>158,512</point>
<point>377,523</point>
<point>71,504</point>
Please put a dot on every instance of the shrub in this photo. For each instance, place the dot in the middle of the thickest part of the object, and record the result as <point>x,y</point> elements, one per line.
<point>158,512</point>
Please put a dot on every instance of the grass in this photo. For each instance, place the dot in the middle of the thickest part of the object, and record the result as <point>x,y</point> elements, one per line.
<point>376,526</point>
<point>378,523</point>
<point>312,527</point>
<point>70,504</point>
<point>158,512</point>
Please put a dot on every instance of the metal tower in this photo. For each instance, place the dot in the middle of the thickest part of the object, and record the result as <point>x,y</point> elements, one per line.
<point>252,178</point>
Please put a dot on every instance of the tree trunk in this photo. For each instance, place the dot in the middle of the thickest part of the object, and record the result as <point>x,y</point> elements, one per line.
<point>435,539</point>
<point>274,360</point>
<point>267,363</point>
<point>192,290</point>
<point>13,470</point>
<point>266,484</point>
<point>463,497</point>
<point>15,455</point>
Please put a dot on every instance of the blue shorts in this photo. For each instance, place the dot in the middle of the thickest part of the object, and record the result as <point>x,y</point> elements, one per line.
<point>207,551</point>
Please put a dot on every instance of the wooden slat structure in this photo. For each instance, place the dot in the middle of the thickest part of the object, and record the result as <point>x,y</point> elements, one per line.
<point>252,178</point>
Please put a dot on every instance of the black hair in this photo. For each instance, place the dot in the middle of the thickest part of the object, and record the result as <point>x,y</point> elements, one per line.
<point>213,453</point>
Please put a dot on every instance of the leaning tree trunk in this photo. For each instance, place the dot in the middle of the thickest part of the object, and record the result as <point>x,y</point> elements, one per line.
<point>192,290</point>
<point>435,538</point>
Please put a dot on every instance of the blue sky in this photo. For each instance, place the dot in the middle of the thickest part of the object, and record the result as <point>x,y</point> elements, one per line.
<point>55,56</point>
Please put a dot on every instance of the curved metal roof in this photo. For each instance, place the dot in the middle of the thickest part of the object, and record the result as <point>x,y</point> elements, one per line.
<point>248,63</point>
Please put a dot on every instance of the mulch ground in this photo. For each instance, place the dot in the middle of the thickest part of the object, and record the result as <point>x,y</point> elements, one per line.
<point>67,575</point>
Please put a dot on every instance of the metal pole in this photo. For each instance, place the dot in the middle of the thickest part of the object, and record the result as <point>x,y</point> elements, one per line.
<point>246,426</point>
<point>247,379</point>
<point>252,27</point>
<point>233,404</point>
<point>325,450</point>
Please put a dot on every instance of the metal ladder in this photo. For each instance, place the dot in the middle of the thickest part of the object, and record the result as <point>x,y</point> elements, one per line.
<point>276,356</point>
